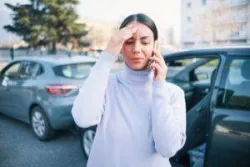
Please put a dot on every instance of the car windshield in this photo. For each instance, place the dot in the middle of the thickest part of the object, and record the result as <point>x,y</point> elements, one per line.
<point>74,71</point>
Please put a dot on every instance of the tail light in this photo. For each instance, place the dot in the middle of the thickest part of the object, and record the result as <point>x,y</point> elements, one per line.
<point>60,89</point>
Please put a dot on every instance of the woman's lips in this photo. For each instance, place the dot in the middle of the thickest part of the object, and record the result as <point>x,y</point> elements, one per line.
<point>137,60</point>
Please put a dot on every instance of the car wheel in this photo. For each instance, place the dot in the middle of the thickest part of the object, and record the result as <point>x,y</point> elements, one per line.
<point>40,124</point>
<point>87,138</point>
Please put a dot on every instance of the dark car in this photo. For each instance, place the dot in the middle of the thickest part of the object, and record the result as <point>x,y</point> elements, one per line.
<point>41,91</point>
<point>216,82</point>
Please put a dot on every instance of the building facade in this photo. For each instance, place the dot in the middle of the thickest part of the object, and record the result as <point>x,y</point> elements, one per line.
<point>215,23</point>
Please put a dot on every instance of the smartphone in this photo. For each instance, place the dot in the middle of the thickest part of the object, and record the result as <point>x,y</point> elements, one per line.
<point>151,62</point>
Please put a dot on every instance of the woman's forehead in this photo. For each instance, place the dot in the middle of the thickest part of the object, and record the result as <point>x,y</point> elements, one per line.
<point>143,31</point>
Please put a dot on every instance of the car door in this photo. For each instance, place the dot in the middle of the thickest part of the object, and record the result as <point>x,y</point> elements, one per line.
<point>7,78</point>
<point>22,89</point>
<point>229,138</point>
<point>195,74</point>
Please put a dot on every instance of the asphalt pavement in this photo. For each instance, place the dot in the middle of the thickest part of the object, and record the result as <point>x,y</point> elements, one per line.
<point>20,148</point>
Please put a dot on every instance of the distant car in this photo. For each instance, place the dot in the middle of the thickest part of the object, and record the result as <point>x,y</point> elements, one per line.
<point>216,82</point>
<point>41,91</point>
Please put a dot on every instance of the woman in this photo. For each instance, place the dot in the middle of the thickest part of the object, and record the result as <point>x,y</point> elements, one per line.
<point>141,118</point>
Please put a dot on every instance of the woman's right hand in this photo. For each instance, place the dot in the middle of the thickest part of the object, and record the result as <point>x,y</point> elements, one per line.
<point>118,38</point>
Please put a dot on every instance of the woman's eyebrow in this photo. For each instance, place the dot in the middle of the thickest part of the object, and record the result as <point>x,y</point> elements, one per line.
<point>144,37</point>
<point>132,38</point>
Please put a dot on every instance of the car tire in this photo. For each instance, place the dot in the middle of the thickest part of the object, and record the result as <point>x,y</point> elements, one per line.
<point>87,138</point>
<point>40,124</point>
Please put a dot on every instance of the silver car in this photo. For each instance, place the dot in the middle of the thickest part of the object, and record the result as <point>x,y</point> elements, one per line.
<point>41,91</point>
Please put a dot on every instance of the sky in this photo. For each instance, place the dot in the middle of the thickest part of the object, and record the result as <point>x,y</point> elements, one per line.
<point>164,12</point>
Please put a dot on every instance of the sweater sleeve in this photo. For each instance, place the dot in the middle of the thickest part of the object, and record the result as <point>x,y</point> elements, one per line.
<point>88,106</point>
<point>168,118</point>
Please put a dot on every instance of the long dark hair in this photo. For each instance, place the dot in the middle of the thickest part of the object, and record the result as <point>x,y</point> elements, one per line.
<point>143,19</point>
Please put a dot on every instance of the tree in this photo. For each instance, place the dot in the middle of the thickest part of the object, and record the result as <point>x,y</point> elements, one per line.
<point>46,22</point>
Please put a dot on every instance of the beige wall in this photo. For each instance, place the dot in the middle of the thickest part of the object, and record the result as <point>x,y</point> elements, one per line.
<point>224,22</point>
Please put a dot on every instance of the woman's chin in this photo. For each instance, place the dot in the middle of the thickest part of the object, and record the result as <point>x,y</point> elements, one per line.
<point>137,66</point>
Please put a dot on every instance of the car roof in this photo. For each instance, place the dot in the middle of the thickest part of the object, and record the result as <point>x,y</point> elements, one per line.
<point>230,50</point>
<point>56,60</point>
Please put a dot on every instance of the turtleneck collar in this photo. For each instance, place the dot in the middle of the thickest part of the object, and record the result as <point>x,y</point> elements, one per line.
<point>141,77</point>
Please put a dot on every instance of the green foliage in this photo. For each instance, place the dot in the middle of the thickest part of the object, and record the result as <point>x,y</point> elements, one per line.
<point>46,22</point>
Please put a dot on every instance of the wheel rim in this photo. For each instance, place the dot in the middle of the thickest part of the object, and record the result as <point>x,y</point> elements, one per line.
<point>88,138</point>
<point>38,123</point>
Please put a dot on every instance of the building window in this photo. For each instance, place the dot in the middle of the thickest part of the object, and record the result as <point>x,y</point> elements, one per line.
<point>203,2</point>
<point>189,19</point>
<point>235,34</point>
<point>189,5</point>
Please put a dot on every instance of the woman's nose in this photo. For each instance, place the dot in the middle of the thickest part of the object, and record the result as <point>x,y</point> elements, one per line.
<point>137,47</point>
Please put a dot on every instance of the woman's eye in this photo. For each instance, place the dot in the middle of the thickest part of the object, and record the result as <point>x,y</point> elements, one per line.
<point>145,43</point>
<point>129,42</point>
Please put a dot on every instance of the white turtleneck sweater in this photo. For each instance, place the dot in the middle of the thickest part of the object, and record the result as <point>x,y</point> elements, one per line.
<point>141,121</point>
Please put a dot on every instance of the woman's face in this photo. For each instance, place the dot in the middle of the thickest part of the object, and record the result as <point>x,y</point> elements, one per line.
<point>137,49</point>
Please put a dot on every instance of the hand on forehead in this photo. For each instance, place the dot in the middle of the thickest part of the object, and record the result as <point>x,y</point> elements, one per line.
<point>142,31</point>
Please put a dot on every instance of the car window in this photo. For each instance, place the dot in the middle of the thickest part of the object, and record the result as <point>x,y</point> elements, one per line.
<point>192,69</point>
<point>176,66</point>
<point>74,71</point>
<point>13,71</point>
<point>236,94</point>
<point>29,69</point>
<point>204,72</point>
<point>24,70</point>
<point>35,69</point>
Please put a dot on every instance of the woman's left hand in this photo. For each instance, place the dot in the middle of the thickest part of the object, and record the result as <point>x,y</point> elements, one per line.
<point>158,65</point>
